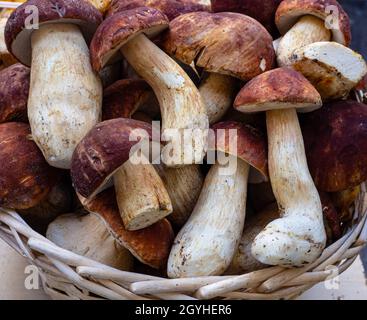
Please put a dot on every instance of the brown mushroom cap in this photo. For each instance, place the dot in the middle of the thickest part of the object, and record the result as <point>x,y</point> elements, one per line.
<point>14,89</point>
<point>151,245</point>
<point>336,145</point>
<point>25,176</point>
<point>171,8</point>
<point>248,144</point>
<point>102,152</point>
<point>123,98</point>
<point>225,43</point>
<point>280,88</point>
<point>18,37</point>
<point>119,28</point>
<point>289,11</point>
<point>261,10</point>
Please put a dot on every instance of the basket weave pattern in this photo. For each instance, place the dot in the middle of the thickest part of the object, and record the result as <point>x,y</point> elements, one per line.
<point>66,275</point>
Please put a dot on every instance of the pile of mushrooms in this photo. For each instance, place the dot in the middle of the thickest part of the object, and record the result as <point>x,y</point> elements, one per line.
<point>128,134</point>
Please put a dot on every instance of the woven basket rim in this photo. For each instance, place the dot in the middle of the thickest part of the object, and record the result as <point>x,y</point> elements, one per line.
<point>66,275</point>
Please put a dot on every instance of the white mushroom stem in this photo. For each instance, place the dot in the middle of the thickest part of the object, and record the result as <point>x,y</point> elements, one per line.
<point>184,186</point>
<point>87,235</point>
<point>141,195</point>
<point>206,244</point>
<point>181,104</point>
<point>218,92</point>
<point>65,97</point>
<point>307,30</point>
<point>297,238</point>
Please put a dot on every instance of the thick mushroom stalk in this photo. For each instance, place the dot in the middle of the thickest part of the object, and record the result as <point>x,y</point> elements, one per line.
<point>141,195</point>
<point>218,92</point>
<point>65,95</point>
<point>298,237</point>
<point>206,244</point>
<point>307,30</point>
<point>182,108</point>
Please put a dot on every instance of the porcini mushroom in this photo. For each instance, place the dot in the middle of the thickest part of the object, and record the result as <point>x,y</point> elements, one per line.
<point>332,68</point>
<point>183,111</point>
<point>25,176</point>
<point>227,46</point>
<point>105,152</point>
<point>65,96</point>
<point>206,244</point>
<point>150,245</point>
<point>141,195</point>
<point>122,100</point>
<point>336,145</point>
<point>171,8</point>
<point>87,235</point>
<point>302,22</point>
<point>14,89</point>
<point>298,237</point>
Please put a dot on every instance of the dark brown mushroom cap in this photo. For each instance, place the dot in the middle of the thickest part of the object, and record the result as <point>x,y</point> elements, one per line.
<point>18,37</point>
<point>25,176</point>
<point>226,43</point>
<point>336,145</point>
<point>242,141</point>
<point>280,88</point>
<point>123,98</point>
<point>151,245</point>
<point>119,28</point>
<point>14,90</point>
<point>171,8</point>
<point>104,150</point>
<point>289,11</point>
<point>261,10</point>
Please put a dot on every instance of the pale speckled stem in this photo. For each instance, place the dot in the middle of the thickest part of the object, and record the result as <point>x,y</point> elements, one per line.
<point>307,30</point>
<point>218,92</point>
<point>181,104</point>
<point>297,238</point>
<point>141,195</point>
<point>206,244</point>
<point>65,97</point>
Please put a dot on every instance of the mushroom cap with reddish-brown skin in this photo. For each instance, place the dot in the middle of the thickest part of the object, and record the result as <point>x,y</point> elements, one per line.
<point>171,8</point>
<point>336,145</point>
<point>123,98</point>
<point>261,10</point>
<point>289,11</point>
<point>103,151</point>
<point>227,43</point>
<point>119,28</point>
<point>14,90</point>
<point>151,245</point>
<point>25,176</point>
<point>331,218</point>
<point>280,88</point>
<point>18,37</point>
<point>242,141</point>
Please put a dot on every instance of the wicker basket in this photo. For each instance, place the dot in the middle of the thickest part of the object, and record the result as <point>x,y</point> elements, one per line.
<point>66,275</point>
